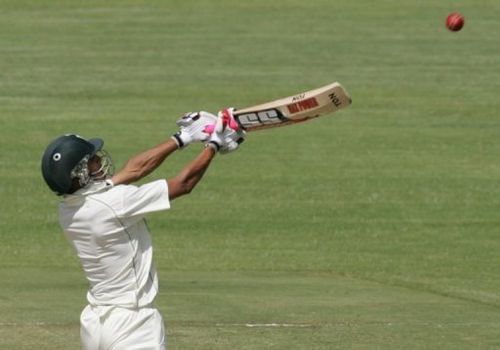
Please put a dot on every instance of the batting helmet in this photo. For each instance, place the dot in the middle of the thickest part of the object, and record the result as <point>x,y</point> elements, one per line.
<point>62,156</point>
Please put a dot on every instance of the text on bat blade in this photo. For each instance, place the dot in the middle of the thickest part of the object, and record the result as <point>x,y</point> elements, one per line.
<point>298,97</point>
<point>335,99</point>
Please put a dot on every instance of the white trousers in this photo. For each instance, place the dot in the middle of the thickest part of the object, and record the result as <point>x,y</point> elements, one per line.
<point>115,328</point>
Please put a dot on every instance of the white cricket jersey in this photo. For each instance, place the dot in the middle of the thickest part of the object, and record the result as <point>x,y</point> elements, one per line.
<point>106,226</point>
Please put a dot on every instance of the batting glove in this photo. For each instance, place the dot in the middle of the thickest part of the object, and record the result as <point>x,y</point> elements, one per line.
<point>224,137</point>
<point>232,141</point>
<point>193,128</point>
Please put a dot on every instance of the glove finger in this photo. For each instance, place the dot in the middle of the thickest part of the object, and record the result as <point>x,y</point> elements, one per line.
<point>219,125</point>
<point>209,117</point>
<point>188,119</point>
<point>205,136</point>
<point>230,147</point>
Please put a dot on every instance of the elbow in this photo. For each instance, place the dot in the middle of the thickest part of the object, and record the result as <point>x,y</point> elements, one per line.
<point>179,188</point>
<point>187,188</point>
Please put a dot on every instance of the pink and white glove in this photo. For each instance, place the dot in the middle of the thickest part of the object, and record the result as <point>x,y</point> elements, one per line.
<point>228,119</point>
<point>193,128</point>
<point>226,135</point>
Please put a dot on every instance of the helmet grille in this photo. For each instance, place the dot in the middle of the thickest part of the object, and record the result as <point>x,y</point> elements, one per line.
<point>81,172</point>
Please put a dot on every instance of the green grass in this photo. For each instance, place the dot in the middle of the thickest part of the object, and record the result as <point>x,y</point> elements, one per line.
<point>376,228</point>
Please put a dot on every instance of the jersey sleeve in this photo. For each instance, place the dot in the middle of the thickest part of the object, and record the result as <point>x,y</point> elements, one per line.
<point>148,198</point>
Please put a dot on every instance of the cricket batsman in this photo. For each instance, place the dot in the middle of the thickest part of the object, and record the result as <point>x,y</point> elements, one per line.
<point>102,216</point>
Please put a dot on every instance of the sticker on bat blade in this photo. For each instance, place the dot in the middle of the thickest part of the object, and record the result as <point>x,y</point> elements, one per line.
<point>303,105</point>
<point>266,117</point>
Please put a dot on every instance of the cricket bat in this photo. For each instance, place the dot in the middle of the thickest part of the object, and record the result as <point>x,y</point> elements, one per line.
<point>293,109</point>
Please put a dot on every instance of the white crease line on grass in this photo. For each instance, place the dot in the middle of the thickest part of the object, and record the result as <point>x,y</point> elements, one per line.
<point>15,324</point>
<point>388,324</point>
<point>251,325</point>
<point>255,325</point>
<point>31,324</point>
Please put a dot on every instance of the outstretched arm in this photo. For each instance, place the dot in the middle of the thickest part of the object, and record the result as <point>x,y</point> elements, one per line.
<point>192,173</point>
<point>144,163</point>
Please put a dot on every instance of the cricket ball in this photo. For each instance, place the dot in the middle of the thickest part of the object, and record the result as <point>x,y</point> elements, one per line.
<point>454,21</point>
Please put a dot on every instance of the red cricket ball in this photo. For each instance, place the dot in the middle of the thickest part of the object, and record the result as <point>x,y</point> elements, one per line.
<point>455,21</point>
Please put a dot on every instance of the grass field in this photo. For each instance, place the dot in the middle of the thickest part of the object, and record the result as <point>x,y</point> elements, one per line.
<point>375,228</point>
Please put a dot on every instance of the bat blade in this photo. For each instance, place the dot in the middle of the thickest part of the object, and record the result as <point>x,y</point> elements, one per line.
<point>294,109</point>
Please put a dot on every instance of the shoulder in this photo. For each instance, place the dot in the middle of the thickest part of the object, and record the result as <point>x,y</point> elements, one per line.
<point>154,186</point>
<point>138,200</point>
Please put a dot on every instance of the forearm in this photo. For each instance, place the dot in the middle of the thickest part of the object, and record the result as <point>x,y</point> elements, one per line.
<point>192,173</point>
<point>144,163</point>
